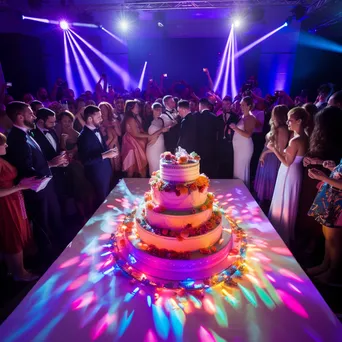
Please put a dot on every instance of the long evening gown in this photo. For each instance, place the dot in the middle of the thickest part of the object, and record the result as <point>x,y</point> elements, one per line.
<point>154,151</point>
<point>133,150</point>
<point>243,151</point>
<point>284,206</point>
<point>15,233</point>
<point>266,177</point>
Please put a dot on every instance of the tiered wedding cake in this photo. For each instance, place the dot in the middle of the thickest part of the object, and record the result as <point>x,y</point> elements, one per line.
<point>179,231</point>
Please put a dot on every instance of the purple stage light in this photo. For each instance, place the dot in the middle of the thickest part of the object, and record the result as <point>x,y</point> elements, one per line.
<point>41,20</point>
<point>68,72</point>
<point>250,46</point>
<point>141,81</point>
<point>116,68</point>
<point>114,36</point>
<point>95,75</point>
<point>226,75</point>
<point>84,80</point>
<point>64,25</point>
<point>85,25</point>
<point>233,79</point>
<point>222,64</point>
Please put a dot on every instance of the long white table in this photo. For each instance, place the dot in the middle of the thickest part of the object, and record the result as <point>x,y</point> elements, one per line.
<point>74,301</point>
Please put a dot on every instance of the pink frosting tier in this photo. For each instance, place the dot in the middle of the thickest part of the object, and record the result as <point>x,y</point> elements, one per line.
<point>179,173</point>
<point>191,243</point>
<point>198,266</point>
<point>170,200</point>
<point>177,220</point>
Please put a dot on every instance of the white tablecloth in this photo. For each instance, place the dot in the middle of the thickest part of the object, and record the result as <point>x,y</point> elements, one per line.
<point>73,301</point>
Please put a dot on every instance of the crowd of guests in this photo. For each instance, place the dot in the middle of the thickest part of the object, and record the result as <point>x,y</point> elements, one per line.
<point>62,151</point>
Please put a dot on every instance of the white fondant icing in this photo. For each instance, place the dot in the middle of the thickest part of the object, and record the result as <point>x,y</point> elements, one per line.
<point>192,243</point>
<point>171,201</point>
<point>179,172</point>
<point>177,222</point>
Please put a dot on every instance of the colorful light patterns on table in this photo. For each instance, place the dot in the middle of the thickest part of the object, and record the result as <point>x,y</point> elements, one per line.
<point>226,276</point>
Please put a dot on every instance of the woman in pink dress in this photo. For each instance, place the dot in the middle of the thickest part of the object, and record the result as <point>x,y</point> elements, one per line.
<point>134,160</point>
<point>15,233</point>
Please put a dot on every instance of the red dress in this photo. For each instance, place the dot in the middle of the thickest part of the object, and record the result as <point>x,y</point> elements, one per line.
<point>14,227</point>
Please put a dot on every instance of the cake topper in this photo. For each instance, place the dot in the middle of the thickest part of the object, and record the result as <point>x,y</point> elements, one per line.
<point>180,157</point>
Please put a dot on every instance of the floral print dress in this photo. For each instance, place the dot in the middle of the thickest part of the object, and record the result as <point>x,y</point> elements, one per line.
<point>327,206</point>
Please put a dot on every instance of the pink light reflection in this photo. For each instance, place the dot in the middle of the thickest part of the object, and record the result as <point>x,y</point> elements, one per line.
<point>83,301</point>
<point>77,283</point>
<point>290,274</point>
<point>292,304</point>
<point>150,336</point>
<point>70,262</point>
<point>102,325</point>
<point>209,306</point>
<point>205,336</point>
<point>294,288</point>
<point>270,278</point>
<point>282,250</point>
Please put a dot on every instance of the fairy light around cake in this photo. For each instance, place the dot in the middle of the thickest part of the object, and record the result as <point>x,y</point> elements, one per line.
<point>179,236</point>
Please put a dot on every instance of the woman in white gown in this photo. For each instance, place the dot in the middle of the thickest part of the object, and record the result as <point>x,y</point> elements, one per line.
<point>284,206</point>
<point>242,141</point>
<point>155,146</point>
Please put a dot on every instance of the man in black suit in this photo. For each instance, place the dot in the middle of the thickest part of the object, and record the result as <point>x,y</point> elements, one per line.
<point>225,140</point>
<point>95,155</point>
<point>171,119</point>
<point>24,153</point>
<point>187,135</point>
<point>207,134</point>
<point>49,143</point>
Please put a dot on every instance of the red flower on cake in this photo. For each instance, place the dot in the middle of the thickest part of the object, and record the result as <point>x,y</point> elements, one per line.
<point>148,196</point>
<point>149,206</point>
<point>183,159</point>
<point>159,209</point>
<point>192,187</point>
<point>204,207</point>
<point>168,156</point>
<point>165,232</point>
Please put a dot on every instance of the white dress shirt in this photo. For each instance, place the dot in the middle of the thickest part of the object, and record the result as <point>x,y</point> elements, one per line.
<point>98,135</point>
<point>49,137</point>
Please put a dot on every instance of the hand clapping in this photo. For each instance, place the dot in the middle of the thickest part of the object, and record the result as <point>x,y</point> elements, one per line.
<point>317,174</point>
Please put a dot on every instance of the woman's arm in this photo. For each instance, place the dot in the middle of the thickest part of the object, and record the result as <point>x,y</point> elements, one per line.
<point>321,176</point>
<point>24,184</point>
<point>249,125</point>
<point>289,155</point>
<point>137,134</point>
<point>117,128</point>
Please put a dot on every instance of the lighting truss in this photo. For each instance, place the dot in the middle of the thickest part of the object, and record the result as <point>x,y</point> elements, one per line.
<point>184,5</point>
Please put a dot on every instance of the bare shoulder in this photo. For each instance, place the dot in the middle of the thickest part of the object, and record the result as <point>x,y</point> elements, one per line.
<point>250,118</point>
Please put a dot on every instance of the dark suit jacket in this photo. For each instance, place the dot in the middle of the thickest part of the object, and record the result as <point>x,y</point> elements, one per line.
<point>207,133</point>
<point>97,170</point>
<point>188,135</point>
<point>44,143</point>
<point>24,153</point>
<point>224,127</point>
<point>171,137</point>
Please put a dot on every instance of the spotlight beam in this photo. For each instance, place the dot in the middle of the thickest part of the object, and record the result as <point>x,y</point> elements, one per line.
<point>223,60</point>
<point>233,79</point>
<point>226,75</point>
<point>95,75</point>
<point>250,46</point>
<point>85,82</point>
<point>141,81</point>
<point>116,68</point>
<point>113,36</point>
<point>68,72</point>
<point>318,42</point>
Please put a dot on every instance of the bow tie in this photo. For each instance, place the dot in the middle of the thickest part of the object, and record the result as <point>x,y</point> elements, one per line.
<point>46,132</point>
<point>96,130</point>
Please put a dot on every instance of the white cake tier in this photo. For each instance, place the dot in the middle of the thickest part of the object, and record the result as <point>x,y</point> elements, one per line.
<point>188,244</point>
<point>177,220</point>
<point>198,266</point>
<point>171,201</point>
<point>179,173</point>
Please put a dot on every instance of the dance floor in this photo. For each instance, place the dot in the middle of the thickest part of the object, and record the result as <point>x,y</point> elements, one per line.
<point>75,301</point>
